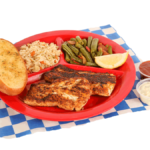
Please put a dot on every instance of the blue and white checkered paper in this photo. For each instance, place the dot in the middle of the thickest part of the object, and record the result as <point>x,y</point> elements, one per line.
<point>14,124</point>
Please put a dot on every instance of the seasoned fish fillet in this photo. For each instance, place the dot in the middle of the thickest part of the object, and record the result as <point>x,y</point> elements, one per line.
<point>69,94</point>
<point>101,83</point>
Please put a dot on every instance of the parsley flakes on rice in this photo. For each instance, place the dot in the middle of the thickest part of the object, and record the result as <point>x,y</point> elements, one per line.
<point>39,55</point>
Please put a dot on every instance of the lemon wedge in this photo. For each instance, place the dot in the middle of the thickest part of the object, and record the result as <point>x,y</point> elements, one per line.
<point>111,61</point>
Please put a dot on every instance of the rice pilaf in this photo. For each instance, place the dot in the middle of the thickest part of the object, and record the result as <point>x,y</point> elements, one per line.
<point>39,55</point>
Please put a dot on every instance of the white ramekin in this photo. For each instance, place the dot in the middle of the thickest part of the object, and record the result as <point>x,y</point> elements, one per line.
<point>144,99</point>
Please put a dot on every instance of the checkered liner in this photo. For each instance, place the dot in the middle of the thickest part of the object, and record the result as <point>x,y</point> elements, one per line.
<point>14,124</point>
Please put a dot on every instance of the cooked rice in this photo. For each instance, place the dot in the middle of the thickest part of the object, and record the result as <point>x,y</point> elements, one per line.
<point>39,55</point>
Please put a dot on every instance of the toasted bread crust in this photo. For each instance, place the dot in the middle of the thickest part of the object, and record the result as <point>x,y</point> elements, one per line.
<point>6,85</point>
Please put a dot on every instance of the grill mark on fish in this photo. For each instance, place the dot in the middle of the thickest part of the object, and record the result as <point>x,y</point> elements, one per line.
<point>91,76</point>
<point>58,94</point>
<point>101,83</point>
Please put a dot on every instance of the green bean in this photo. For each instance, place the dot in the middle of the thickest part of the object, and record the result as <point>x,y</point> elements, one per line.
<point>93,55</point>
<point>74,49</point>
<point>109,49</point>
<point>91,64</point>
<point>80,54</point>
<point>89,41</point>
<point>73,39</point>
<point>78,39</point>
<point>72,62</point>
<point>94,45</point>
<point>86,54</point>
<point>67,57</point>
<point>78,45</point>
<point>70,53</point>
<point>85,42</point>
<point>100,52</point>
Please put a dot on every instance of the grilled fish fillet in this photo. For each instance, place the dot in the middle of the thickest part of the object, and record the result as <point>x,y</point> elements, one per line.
<point>101,83</point>
<point>69,94</point>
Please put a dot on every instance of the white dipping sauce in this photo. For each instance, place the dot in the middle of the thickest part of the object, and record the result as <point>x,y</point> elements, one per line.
<point>144,90</point>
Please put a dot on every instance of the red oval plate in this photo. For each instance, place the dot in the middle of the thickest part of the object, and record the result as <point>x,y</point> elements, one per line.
<point>96,104</point>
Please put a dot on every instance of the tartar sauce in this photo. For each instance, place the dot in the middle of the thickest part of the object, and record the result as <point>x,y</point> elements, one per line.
<point>144,90</point>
